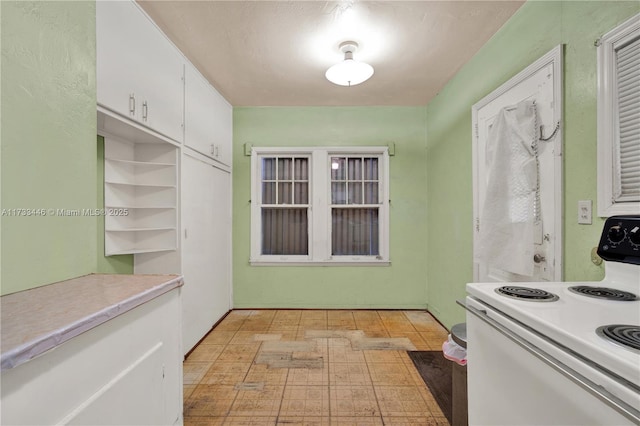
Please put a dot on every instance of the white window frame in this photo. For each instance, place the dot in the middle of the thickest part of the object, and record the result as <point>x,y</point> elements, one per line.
<point>607,119</point>
<point>320,207</point>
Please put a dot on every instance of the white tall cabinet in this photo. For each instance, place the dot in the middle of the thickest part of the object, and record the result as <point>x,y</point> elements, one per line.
<point>151,99</point>
<point>205,245</point>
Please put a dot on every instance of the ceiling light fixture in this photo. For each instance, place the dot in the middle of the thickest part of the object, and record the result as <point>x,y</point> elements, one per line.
<point>349,72</point>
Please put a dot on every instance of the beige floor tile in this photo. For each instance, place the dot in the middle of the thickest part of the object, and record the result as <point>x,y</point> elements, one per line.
<point>339,314</point>
<point>388,315</point>
<point>193,371</point>
<point>205,353</point>
<point>345,374</point>
<point>308,377</point>
<point>264,402</point>
<point>242,313</point>
<point>398,325</point>
<point>280,326</point>
<point>230,324</point>
<point>339,324</point>
<point>204,421</point>
<point>304,421</point>
<point>255,326</point>
<point>304,401</point>
<point>187,390</point>
<point>383,356</point>
<point>401,401</point>
<point>374,332</point>
<point>315,314</point>
<point>345,354</point>
<point>291,315</point>
<point>210,400</point>
<point>365,315</point>
<point>263,313</point>
<point>356,421</point>
<point>227,373</point>
<point>353,387</point>
<point>435,339</point>
<point>414,336</point>
<point>239,353</point>
<point>339,342</point>
<point>270,376</point>
<point>390,374</point>
<point>250,420</point>
<point>218,337</point>
<point>313,323</point>
<point>421,320</point>
<point>411,421</point>
<point>353,401</point>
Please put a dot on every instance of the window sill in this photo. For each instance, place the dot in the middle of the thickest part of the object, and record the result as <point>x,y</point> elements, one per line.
<point>320,263</point>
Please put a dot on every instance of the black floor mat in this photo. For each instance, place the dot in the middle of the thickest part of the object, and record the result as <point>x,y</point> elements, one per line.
<point>435,370</point>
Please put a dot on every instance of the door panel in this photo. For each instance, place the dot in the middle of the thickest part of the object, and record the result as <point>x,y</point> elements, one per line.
<point>540,82</point>
<point>206,247</point>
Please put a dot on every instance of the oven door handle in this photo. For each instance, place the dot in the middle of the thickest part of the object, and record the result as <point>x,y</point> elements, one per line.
<point>587,384</point>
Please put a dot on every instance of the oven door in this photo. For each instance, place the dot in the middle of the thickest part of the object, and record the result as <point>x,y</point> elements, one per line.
<point>518,377</point>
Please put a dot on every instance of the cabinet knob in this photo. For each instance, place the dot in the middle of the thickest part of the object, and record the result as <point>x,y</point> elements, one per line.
<point>145,110</point>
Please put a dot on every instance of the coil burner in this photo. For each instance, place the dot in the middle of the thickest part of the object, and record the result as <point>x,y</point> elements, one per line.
<point>627,336</point>
<point>603,293</point>
<point>527,293</point>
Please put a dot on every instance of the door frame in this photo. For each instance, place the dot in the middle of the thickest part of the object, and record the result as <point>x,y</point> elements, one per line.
<point>555,57</point>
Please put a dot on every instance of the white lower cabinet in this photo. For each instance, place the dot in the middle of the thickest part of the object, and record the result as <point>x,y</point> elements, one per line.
<point>206,246</point>
<point>126,371</point>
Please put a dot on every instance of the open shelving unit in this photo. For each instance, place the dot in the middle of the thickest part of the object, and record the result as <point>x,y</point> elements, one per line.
<point>140,196</point>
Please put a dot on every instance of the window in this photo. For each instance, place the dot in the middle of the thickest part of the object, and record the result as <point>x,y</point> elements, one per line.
<point>619,120</point>
<point>319,205</point>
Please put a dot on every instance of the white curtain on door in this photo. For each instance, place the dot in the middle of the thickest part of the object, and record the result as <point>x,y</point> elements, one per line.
<point>505,239</point>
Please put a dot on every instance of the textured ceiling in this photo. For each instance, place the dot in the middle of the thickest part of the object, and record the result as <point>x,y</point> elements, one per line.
<point>275,53</point>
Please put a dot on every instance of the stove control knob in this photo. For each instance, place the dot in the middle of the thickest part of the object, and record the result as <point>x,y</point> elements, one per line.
<point>634,236</point>
<point>616,234</point>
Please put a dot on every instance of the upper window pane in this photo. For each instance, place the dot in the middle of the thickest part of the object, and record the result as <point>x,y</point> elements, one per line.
<point>354,180</point>
<point>285,180</point>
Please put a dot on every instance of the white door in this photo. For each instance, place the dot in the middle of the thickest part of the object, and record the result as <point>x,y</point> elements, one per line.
<point>205,247</point>
<point>541,82</point>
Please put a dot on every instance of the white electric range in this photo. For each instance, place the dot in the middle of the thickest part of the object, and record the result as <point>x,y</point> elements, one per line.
<point>542,352</point>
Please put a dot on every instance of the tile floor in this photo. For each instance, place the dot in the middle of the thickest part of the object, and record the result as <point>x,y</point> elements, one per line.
<point>312,367</point>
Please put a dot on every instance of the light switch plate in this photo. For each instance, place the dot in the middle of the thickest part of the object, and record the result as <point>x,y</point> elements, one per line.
<point>584,212</point>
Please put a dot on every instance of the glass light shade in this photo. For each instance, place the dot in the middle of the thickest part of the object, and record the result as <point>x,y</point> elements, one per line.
<point>349,72</point>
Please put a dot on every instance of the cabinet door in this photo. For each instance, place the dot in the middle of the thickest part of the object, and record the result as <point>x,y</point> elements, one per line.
<point>199,107</point>
<point>118,55</point>
<point>208,118</point>
<point>223,128</point>
<point>205,248</point>
<point>139,72</point>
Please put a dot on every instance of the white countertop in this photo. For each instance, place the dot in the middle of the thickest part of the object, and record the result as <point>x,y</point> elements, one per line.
<point>37,320</point>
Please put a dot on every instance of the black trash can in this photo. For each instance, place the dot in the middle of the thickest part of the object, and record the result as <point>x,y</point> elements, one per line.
<point>459,379</point>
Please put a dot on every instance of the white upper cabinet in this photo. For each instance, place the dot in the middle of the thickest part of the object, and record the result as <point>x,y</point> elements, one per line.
<point>139,71</point>
<point>208,118</point>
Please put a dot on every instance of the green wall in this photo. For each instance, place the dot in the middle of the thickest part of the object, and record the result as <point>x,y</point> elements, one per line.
<point>534,30</point>
<point>401,285</point>
<point>48,140</point>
